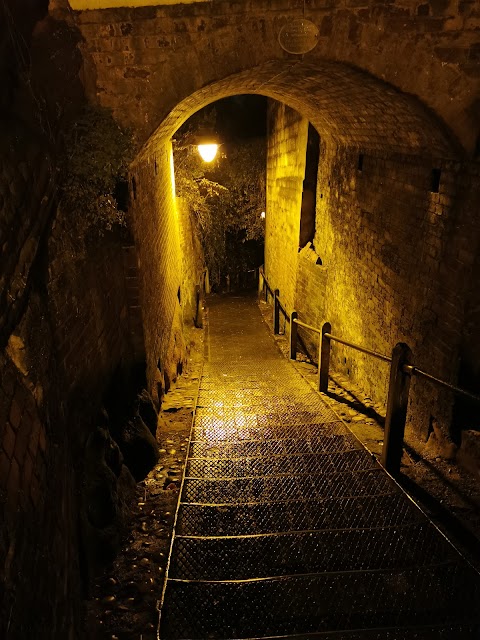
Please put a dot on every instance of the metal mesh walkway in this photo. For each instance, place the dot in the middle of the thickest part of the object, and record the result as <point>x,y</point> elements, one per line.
<point>287,527</point>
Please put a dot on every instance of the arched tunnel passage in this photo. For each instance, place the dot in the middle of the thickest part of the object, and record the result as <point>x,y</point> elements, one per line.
<point>385,205</point>
<point>226,195</point>
<point>344,104</point>
<point>382,232</point>
<point>74,322</point>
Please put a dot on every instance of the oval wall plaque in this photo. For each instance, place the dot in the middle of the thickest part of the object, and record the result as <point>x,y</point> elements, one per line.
<point>299,36</point>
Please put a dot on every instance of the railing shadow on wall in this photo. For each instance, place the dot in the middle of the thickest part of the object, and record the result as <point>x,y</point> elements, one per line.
<point>401,371</point>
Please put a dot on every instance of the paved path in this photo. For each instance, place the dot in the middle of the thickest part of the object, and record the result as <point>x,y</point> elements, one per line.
<point>287,527</point>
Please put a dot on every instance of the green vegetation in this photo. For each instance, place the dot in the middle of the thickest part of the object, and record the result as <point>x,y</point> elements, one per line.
<point>94,168</point>
<point>226,199</point>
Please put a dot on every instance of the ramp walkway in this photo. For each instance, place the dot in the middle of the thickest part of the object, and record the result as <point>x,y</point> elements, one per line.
<point>287,527</point>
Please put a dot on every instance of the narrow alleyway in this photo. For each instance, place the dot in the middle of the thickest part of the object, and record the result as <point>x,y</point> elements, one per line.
<point>287,527</point>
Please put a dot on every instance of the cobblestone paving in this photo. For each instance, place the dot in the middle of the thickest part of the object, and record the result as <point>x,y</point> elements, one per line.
<point>287,526</point>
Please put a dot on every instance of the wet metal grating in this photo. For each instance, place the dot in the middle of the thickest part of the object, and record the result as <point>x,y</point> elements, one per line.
<point>287,527</point>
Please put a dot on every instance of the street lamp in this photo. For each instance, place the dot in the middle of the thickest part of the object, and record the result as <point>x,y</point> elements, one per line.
<point>207,145</point>
<point>208,152</point>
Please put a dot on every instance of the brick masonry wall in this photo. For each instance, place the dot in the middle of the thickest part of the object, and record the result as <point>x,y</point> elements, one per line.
<point>311,296</point>
<point>71,337</point>
<point>388,243</point>
<point>192,262</point>
<point>397,259</point>
<point>142,62</point>
<point>63,331</point>
<point>160,265</point>
<point>287,144</point>
<point>39,546</point>
<point>132,282</point>
<point>90,315</point>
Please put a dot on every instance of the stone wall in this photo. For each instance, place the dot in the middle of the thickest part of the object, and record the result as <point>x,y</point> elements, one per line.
<point>143,61</point>
<point>287,144</point>
<point>38,532</point>
<point>63,332</point>
<point>135,322</point>
<point>90,315</point>
<point>192,263</point>
<point>396,238</point>
<point>388,242</point>
<point>311,296</point>
<point>157,235</point>
<point>39,545</point>
<point>69,338</point>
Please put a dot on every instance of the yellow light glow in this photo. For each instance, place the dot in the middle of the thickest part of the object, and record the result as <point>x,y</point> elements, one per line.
<point>83,5</point>
<point>208,151</point>
<point>172,172</point>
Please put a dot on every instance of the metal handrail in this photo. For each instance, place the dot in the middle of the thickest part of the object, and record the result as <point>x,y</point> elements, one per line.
<point>401,372</point>
<point>369,352</point>
<point>267,284</point>
<point>307,326</point>
<point>375,354</point>
<point>265,280</point>
<point>284,311</point>
<point>413,371</point>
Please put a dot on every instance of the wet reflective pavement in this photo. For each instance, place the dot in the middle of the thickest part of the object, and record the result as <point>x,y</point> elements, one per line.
<point>287,527</point>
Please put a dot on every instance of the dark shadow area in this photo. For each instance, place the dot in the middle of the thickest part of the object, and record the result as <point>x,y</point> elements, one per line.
<point>451,525</point>
<point>356,405</point>
<point>444,480</point>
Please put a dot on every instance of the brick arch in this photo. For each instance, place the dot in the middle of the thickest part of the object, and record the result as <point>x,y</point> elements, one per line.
<point>346,106</point>
<point>141,62</point>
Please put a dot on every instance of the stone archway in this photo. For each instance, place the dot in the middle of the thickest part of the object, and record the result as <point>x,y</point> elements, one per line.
<point>384,232</point>
<point>345,104</point>
<point>142,61</point>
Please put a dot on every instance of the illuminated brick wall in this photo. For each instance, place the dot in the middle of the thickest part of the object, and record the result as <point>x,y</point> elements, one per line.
<point>287,144</point>
<point>398,259</point>
<point>170,265</point>
<point>396,252</point>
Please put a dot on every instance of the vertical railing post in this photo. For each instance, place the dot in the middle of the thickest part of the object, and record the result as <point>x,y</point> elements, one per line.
<point>261,282</point>
<point>397,405</point>
<point>324,358</point>
<point>276,312</point>
<point>198,320</point>
<point>293,335</point>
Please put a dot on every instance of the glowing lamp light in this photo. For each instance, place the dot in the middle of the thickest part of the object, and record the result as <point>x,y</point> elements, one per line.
<point>208,152</point>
